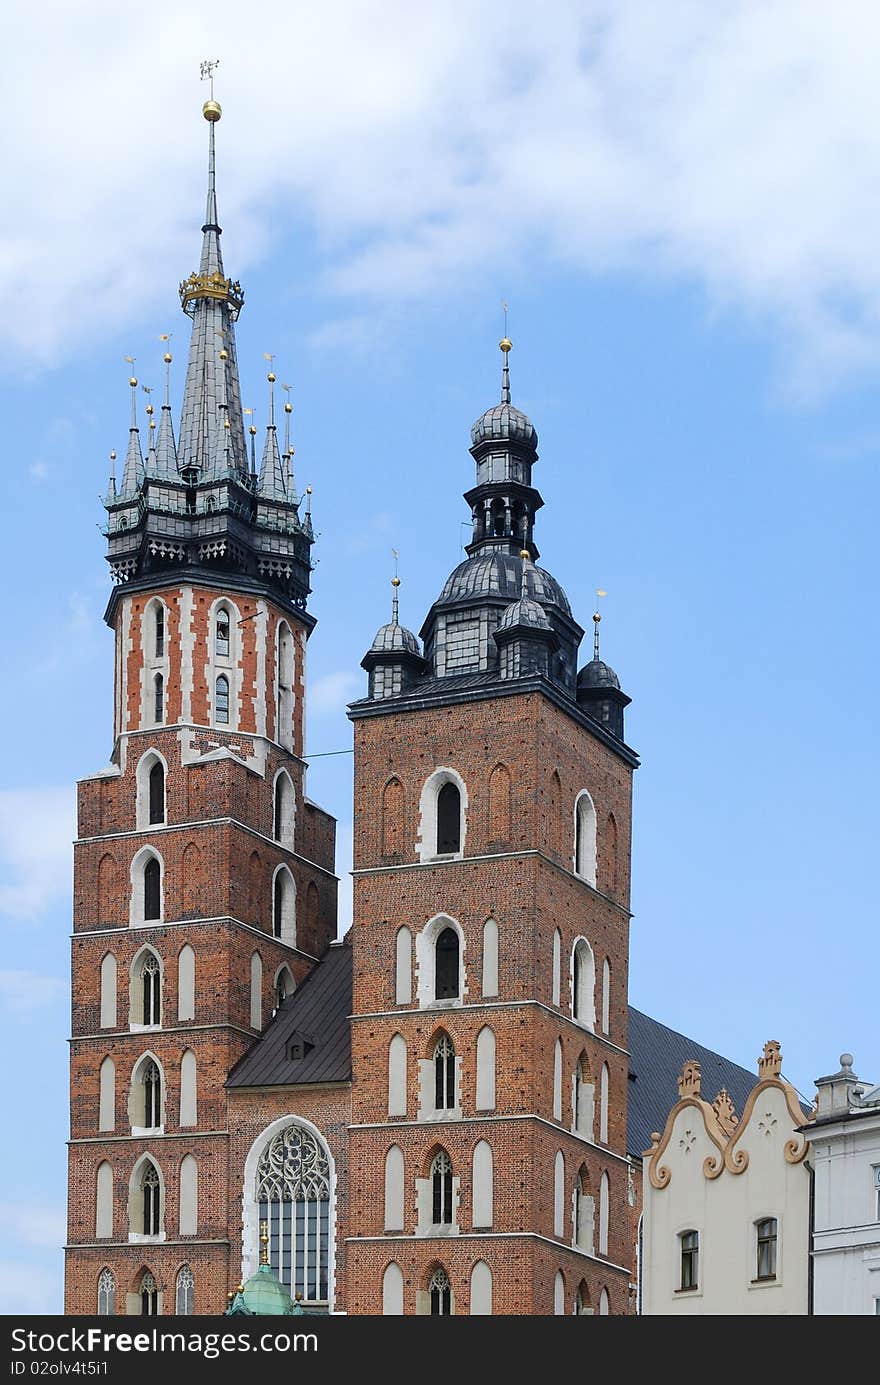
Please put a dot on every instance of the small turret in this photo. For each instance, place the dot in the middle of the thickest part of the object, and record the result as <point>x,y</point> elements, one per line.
<point>393,661</point>
<point>598,689</point>
<point>525,638</point>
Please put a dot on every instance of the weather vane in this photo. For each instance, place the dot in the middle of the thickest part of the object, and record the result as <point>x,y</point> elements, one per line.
<point>207,69</point>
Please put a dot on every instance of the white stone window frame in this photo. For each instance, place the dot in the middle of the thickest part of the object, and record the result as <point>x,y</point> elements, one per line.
<point>142,781</point>
<point>136,905</point>
<point>681,1229</point>
<point>135,979</point>
<point>427,1111</point>
<point>135,1194</point>
<point>588,1025</point>
<point>287,836</point>
<point>151,664</point>
<point>250,1241</point>
<point>287,933</point>
<point>285,693</point>
<point>426,842</point>
<point>425,1226</point>
<point>143,1131</point>
<point>426,958</point>
<point>227,664</point>
<point>584,862</point>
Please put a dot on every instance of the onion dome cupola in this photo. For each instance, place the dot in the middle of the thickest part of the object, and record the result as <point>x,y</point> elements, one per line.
<point>196,501</point>
<point>525,638</point>
<point>599,692</point>
<point>393,661</point>
<point>504,445</point>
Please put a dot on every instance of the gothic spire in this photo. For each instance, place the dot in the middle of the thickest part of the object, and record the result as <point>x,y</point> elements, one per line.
<point>272,485</point>
<point>166,448</point>
<point>133,469</point>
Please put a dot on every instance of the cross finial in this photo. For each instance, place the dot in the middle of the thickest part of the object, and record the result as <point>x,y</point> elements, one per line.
<point>395,587</point>
<point>596,619</point>
<point>207,68</point>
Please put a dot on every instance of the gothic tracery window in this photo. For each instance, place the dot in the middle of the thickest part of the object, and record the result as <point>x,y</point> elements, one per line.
<point>444,1074</point>
<point>106,1294</point>
<point>152,1083</point>
<point>221,700</point>
<point>185,1291</point>
<point>293,1193</point>
<point>151,983</point>
<point>440,1292</point>
<point>150,1194</point>
<point>441,1190</point>
<point>149,1296</point>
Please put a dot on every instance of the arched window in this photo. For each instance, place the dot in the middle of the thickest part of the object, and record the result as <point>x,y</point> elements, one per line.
<point>107,1095</point>
<point>444,1074</point>
<point>483,1189</point>
<point>582,1300</point>
<point>585,838</point>
<point>186,983</point>
<point>394,1189</point>
<point>603,1214</point>
<point>150,1099</point>
<point>221,633</point>
<point>557,1080</point>
<point>150,1189</point>
<point>256,1016</point>
<point>293,1193</point>
<point>441,1189</point>
<point>157,792</point>
<point>611,864</point>
<point>149,1296</point>
<point>606,996</point>
<point>446,965</point>
<point>146,991</point>
<point>284,674</point>
<point>392,1291</point>
<point>440,1294</point>
<point>186,1287</point>
<point>282,826</point>
<point>481,1290</point>
<point>284,986</point>
<point>188,1219</point>
<point>559,1294</point>
<point>152,889</point>
<point>583,984</point>
<point>604,1304</point>
<point>221,700</point>
<point>559,1194</point>
<point>159,630</point>
<point>106,1294</point>
<point>158,698</point>
<point>397,1076</point>
<point>448,819</point>
<point>584,1212</point>
<point>392,818</point>
<point>490,958</point>
<point>499,804</point>
<point>284,907</point>
<point>556,965</point>
<point>188,1092</point>
<point>486,1069</point>
<point>403,967</point>
<point>583,1100</point>
<point>103,1201</point>
<point>603,1104</point>
<point>108,991</point>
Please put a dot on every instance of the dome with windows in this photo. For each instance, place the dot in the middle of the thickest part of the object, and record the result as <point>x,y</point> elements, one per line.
<point>394,639</point>
<point>505,423</point>
<point>500,574</point>
<point>595,674</point>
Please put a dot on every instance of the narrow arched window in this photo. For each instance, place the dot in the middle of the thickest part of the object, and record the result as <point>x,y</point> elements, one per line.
<point>106,1294</point>
<point>159,629</point>
<point>446,965</point>
<point>440,1294</point>
<point>278,904</point>
<point>221,634</point>
<point>583,993</point>
<point>448,819</point>
<point>441,1190</point>
<point>284,907</point>
<point>604,1198</point>
<point>158,698</point>
<point>481,1290</point>
<point>585,838</point>
<point>186,1287</point>
<point>151,988</point>
<point>152,890</point>
<point>582,1300</point>
<point>221,700</point>
<point>151,1082</point>
<point>284,986</point>
<point>149,1296</point>
<point>150,1194</point>
<point>392,1291</point>
<point>444,1074</point>
<point>157,792</point>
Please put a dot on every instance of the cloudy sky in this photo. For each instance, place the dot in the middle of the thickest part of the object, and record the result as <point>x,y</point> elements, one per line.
<point>681,203</point>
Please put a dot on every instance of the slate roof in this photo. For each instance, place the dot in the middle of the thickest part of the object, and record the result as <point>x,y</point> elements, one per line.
<point>319,1010</point>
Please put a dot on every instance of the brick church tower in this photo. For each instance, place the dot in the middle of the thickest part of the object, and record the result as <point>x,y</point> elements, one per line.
<point>490,940</point>
<point>204,878</point>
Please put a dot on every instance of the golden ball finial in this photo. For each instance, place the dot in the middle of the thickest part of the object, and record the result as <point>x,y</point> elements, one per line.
<point>308,490</point>
<point>224,354</point>
<point>596,617</point>
<point>288,407</point>
<point>252,430</point>
<point>211,111</point>
<point>149,408</point>
<point>524,553</point>
<point>271,377</point>
<point>226,423</point>
<point>113,456</point>
<point>133,381</point>
<point>167,358</point>
<point>395,581</point>
<point>506,345</point>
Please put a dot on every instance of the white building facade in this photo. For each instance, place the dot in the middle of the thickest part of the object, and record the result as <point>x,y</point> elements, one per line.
<point>845,1140</point>
<point>727,1202</point>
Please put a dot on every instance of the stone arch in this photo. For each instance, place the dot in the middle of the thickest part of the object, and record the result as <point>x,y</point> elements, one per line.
<point>604,1077</point>
<point>557,1080</point>
<point>490,958</point>
<point>107,982</point>
<point>433,815</point>
<point>481,1290</point>
<point>426,960</point>
<point>403,966</point>
<point>188,1210</point>
<point>482,1184</point>
<point>107,1095</point>
<point>499,804</point>
<point>556,967</point>
<point>283,809</point>
<point>146,906</point>
<point>394,1188</point>
<point>397,1078</point>
<point>284,906</point>
<point>146,1210</point>
<point>559,1294</point>
<point>606,996</point>
<point>151,790</point>
<point>583,983</point>
<point>186,983</point>
<point>188,1089</point>
<point>559,1195</point>
<point>485,1092</point>
<point>146,989</point>
<point>392,1291</point>
<point>393,809</point>
<point>585,838</point>
<point>146,1098</point>
<point>103,1200</point>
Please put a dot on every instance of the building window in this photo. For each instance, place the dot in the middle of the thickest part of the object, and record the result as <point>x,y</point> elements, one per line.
<point>157,792</point>
<point>690,1252</point>
<point>446,968</point>
<point>444,1074</point>
<point>152,890</point>
<point>158,698</point>
<point>284,986</point>
<point>440,1292</point>
<point>767,1235</point>
<point>150,1194</point>
<point>282,826</point>
<point>876,1173</point>
<point>284,907</point>
<point>151,1081</point>
<point>106,1294</point>
<point>221,700</point>
<point>585,838</point>
<point>149,1296</point>
<point>441,1190</point>
<point>583,984</point>
<point>293,1192</point>
<point>160,632</point>
<point>221,634</point>
<point>186,1286</point>
<point>448,820</point>
<point>151,989</point>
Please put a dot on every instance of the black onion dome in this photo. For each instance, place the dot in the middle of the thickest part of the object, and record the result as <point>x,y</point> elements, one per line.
<point>500,574</point>
<point>504,423</point>
<point>395,639</point>
<point>595,674</point>
<point>524,612</point>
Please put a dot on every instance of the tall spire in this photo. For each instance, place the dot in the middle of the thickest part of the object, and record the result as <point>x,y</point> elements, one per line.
<point>506,346</point>
<point>214,303</point>
<point>133,469</point>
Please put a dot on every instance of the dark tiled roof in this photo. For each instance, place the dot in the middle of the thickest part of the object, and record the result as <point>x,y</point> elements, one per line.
<point>657,1055</point>
<point>319,1010</point>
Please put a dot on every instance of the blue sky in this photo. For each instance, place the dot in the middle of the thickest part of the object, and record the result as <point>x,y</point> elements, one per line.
<point>682,212</point>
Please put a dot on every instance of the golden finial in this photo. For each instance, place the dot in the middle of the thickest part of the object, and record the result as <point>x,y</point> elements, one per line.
<point>167,358</point>
<point>224,354</point>
<point>308,490</point>
<point>149,409</point>
<point>395,581</point>
<point>524,553</point>
<point>264,1242</point>
<point>596,619</point>
<point>113,456</point>
<point>132,380</point>
<point>211,109</point>
<point>271,377</point>
<point>506,345</point>
<point>252,430</point>
<point>288,407</point>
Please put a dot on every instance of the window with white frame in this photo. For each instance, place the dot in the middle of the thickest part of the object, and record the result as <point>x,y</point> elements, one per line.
<point>149,1296</point>
<point>585,838</point>
<point>146,991</point>
<point>150,1220</point>
<point>221,700</point>
<point>158,699</point>
<point>447,982</point>
<point>448,819</point>
<point>583,984</point>
<point>221,633</point>
<point>442,815</point>
<point>293,1195</point>
<point>444,1074</point>
<point>689,1260</point>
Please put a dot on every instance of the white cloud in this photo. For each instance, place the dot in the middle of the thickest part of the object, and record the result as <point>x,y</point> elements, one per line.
<point>332,691</point>
<point>37,827</point>
<point>22,992</point>
<point>733,145</point>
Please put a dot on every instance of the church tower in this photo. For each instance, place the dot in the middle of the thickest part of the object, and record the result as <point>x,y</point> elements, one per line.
<point>487,1147</point>
<point>204,882</point>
